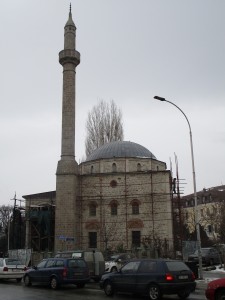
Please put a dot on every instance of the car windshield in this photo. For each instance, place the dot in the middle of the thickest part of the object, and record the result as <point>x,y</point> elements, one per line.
<point>204,251</point>
<point>113,257</point>
<point>12,262</point>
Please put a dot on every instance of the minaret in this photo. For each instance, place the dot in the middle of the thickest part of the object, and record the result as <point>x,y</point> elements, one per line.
<point>67,169</point>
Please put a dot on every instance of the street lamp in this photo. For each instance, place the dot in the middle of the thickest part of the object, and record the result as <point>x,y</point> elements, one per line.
<point>194,185</point>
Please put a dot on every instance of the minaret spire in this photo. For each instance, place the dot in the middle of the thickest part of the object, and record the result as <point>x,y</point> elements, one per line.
<point>67,169</point>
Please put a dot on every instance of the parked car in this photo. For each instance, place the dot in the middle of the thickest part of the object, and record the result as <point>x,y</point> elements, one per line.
<point>215,289</point>
<point>11,268</point>
<point>116,261</point>
<point>58,271</point>
<point>210,256</point>
<point>94,259</point>
<point>151,277</point>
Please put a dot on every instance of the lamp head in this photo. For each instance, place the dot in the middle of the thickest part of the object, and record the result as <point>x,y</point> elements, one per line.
<point>159,98</point>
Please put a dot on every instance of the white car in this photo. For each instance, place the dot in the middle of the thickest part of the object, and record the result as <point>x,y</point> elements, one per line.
<point>11,268</point>
<point>116,261</point>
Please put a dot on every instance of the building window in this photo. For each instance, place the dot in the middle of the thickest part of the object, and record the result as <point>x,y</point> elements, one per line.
<point>92,169</point>
<point>114,168</point>
<point>92,209</point>
<point>114,208</point>
<point>138,167</point>
<point>136,238</point>
<point>209,228</point>
<point>135,208</point>
<point>92,239</point>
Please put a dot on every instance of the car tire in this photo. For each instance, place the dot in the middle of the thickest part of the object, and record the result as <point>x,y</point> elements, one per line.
<point>154,292</point>
<point>54,283</point>
<point>183,294</point>
<point>114,269</point>
<point>18,279</point>
<point>220,295</point>
<point>27,280</point>
<point>80,285</point>
<point>108,288</point>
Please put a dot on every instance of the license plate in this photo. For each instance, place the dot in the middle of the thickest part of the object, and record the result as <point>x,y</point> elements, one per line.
<point>183,276</point>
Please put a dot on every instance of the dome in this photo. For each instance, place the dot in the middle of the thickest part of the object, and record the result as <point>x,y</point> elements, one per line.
<point>120,149</point>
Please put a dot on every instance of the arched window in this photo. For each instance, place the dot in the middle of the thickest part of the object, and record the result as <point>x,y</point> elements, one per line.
<point>114,208</point>
<point>92,169</point>
<point>135,208</point>
<point>138,167</point>
<point>92,209</point>
<point>114,168</point>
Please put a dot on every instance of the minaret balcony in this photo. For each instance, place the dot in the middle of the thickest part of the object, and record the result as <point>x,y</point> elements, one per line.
<point>69,56</point>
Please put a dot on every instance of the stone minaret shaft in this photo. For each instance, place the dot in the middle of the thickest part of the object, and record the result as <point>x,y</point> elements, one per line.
<point>67,169</point>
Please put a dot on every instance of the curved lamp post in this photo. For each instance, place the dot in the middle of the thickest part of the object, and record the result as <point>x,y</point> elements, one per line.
<point>194,185</point>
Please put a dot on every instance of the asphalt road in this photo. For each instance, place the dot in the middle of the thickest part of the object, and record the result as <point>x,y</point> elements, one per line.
<point>10,290</point>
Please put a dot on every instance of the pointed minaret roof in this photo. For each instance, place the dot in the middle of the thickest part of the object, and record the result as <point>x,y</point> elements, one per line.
<point>70,20</point>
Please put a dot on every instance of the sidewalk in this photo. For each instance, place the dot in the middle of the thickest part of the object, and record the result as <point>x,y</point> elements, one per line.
<point>201,284</point>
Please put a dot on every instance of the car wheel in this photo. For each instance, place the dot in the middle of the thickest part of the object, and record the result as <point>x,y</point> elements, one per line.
<point>154,292</point>
<point>220,295</point>
<point>18,279</point>
<point>183,294</point>
<point>114,269</point>
<point>54,283</point>
<point>27,280</point>
<point>108,288</point>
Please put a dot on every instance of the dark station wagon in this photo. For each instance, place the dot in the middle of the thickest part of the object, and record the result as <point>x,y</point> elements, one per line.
<point>151,277</point>
<point>58,271</point>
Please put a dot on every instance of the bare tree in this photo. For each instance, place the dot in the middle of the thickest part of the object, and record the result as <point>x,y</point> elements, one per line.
<point>104,125</point>
<point>5,213</point>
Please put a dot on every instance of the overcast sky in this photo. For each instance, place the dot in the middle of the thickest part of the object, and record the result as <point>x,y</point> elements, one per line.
<point>131,50</point>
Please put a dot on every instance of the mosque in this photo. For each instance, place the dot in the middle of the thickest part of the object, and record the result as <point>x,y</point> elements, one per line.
<point>120,197</point>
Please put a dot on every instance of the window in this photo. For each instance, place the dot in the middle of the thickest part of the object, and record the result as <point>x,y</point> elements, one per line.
<point>138,167</point>
<point>92,239</point>
<point>135,208</point>
<point>113,208</point>
<point>59,263</point>
<point>209,228</point>
<point>147,267</point>
<point>92,169</point>
<point>92,209</point>
<point>50,263</point>
<point>114,168</point>
<point>136,238</point>
<point>41,264</point>
<point>131,267</point>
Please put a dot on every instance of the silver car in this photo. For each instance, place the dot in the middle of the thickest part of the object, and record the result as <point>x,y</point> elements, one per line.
<point>11,268</point>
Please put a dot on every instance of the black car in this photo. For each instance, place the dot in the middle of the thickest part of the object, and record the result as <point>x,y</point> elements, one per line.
<point>151,277</point>
<point>57,271</point>
<point>210,256</point>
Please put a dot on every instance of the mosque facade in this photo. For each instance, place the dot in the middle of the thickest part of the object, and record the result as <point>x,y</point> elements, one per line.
<point>120,197</point>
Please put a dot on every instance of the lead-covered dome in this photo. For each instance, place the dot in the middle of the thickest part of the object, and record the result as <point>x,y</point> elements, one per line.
<point>120,149</point>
